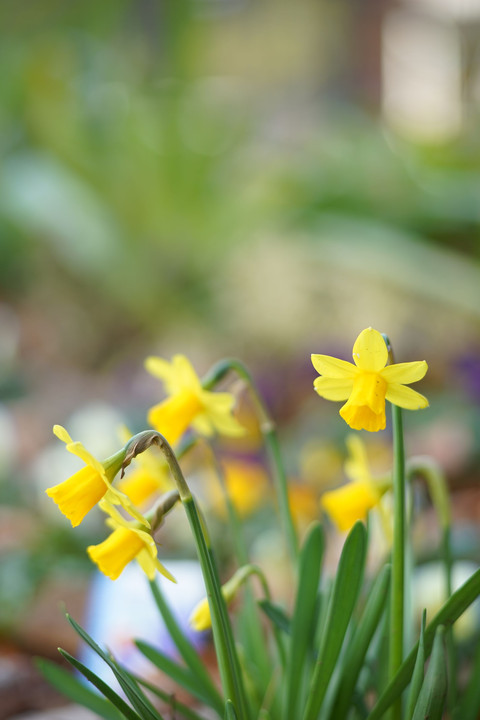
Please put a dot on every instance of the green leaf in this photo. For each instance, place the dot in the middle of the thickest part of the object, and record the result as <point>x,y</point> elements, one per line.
<point>138,699</point>
<point>447,615</point>
<point>187,651</point>
<point>418,672</point>
<point>75,690</point>
<point>126,710</point>
<point>277,615</point>
<point>304,614</point>
<point>230,713</point>
<point>344,595</point>
<point>169,698</point>
<point>360,642</point>
<point>181,675</point>
<point>469,705</point>
<point>433,693</point>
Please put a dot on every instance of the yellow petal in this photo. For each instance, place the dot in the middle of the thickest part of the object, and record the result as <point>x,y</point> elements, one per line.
<point>77,495</point>
<point>158,367</point>
<point>200,618</point>
<point>370,351</point>
<point>356,465</point>
<point>150,565</point>
<point>76,448</point>
<point>333,388</point>
<point>173,416</point>
<point>140,485</point>
<point>62,434</point>
<point>333,367</point>
<point>350,503</point>
<point>113,554</point>
<point>405,373</point>
<point>185,375</point>
<point>405,397</point>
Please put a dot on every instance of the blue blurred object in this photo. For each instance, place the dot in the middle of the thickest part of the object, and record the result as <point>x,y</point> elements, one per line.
<point>122,611</point>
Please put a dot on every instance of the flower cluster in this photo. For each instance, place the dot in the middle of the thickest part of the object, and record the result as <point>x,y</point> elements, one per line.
<point>187,405</point>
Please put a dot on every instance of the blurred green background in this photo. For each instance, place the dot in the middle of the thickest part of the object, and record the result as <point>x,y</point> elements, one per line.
<point>228,177</point>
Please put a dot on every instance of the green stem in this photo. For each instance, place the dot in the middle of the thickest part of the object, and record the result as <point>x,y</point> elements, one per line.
<point>268,429</point>
<point>228,665</point>
<point>397,600</point>
<point>437,486</point>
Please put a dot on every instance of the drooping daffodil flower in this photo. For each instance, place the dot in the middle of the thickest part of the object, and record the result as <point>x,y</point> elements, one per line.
<point>128,541</point>
<point>77,495</point>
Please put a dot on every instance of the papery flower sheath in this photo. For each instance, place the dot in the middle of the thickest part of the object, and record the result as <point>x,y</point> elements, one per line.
<point>188,403</point>
<point>77,495</point>
<point>367,384</point>
<point>128,541</point>
<point>147,476</point>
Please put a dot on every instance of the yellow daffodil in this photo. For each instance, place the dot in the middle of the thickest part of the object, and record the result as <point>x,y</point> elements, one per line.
<point>351,502</point>
<point>200,618</point>
<point>188,403</point>
<point>367,384</point>
<point>128,541</point>
<point>303,502</point>
<point>149,477</point>
<point>77,495</point>
<point>247,486</point>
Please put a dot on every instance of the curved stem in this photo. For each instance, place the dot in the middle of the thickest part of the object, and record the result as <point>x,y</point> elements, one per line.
<point>268,429</point>
<point>228,664</point>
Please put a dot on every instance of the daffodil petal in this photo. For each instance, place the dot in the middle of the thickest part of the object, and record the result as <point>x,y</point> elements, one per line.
<point>187,377</point>
<point>333,367</point>
<point>76,448</point>
<point>62,434</point>
<point>226,424</point>
<point>333,388</point>
<point>370,351</point>
<point>405,397</point>
<point>158,367</point>
<point>405,373</point>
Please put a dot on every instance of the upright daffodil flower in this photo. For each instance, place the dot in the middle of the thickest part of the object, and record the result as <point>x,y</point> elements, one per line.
<point>351,502</point>
<point>128,541</point>
<point>188,403</point>
<point>367,384</point>
<point>77,495</point>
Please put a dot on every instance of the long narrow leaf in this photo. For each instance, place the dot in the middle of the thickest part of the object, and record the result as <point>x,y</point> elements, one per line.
<point>447,615</point>
<point>186,650</point>
<point>277,615</point>
<point>433,693</point>
<point>418,673</point>
<point>138,699</point>
<point>310,563</point>
<point>360,643</point>
<point>75,690</point>
<point>181,675</point>
<point>169,698</point>
<point>125,710</point>
<point>469,705</point>
<point>345,591</point>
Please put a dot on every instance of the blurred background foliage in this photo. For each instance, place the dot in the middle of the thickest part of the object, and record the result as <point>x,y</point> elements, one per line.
<point>254,178</point>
